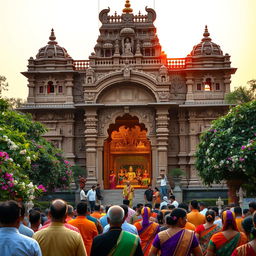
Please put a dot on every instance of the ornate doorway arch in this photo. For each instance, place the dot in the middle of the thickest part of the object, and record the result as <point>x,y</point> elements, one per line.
<point>127,154</point>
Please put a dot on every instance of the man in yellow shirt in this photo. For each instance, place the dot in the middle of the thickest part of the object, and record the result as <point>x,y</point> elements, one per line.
<point>239,218</point>
<point>195,217</point>
<point>56,239</point>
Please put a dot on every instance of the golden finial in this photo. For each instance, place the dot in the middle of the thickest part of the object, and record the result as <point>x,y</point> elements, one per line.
<point>127,8</point>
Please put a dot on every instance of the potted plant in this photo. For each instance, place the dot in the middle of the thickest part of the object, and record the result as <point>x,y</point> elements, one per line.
<point>176,174</point>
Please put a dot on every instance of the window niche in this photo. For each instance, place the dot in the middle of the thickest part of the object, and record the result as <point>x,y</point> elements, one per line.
<point>50,87</point>
<point>208,85</point>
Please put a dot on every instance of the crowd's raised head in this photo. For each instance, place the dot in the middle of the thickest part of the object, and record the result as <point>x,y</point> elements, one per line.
<point>58,210</point>
<point>125,208</point>
<point>116,215</point>
<point>81,208</point>
<point>183,206</point>
<point>34,217</point>
<point>194,204</point>
<point>238,211</point>
<point>126,202</point>
<point>9,213</point>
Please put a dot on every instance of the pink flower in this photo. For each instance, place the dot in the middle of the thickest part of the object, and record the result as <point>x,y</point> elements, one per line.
<point>241,159</point>
<point>243,147</point>
<point>42,187</point>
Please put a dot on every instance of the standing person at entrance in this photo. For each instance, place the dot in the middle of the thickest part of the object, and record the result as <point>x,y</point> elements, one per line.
<point>99,196</point>
<point>163,184</point>
<point>91,196</point>
<point>148,195</point>
<point>82,182</point>
<point>128,193</point>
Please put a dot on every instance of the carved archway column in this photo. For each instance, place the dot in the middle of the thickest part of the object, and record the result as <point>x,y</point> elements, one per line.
<point>91,133</point>
<point>31,90</point>
<point>69,86</point>
<point>227,82</point>
<point>162,135</point>
<point>189,83</point>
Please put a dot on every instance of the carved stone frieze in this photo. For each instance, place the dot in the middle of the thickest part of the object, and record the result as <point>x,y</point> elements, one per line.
<point>89,96</point>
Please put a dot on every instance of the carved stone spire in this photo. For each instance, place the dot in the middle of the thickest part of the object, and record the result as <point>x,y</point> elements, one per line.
<point>52,38</point>
<point>206,34</point>
<point>127,8</point>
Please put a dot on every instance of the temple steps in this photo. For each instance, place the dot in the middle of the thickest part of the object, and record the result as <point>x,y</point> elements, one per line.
<point>115,196</point>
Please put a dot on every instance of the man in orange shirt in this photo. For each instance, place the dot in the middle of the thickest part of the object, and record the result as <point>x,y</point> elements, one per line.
<point>87,228</point>
<point>96,214</point>
<point>195,217</point>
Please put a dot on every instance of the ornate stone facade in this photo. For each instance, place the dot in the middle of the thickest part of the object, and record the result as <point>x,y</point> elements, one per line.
<point>128,74</point>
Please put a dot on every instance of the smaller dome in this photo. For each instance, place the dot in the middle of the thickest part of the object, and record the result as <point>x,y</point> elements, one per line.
<point>127,31</point>
<point>107,45</point>
<point>52,49</point>
<point>206,47</point>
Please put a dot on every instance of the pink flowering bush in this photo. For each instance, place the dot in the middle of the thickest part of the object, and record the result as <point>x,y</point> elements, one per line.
<point>228,149</point>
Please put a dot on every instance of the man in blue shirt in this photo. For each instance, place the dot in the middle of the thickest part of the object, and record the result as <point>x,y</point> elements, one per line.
<point>11,241</point>
<point>91,197</point>
<point>125,226</point>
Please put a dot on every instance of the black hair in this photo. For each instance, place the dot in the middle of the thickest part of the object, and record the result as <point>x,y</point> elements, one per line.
<point>81,208</point>
<point>58,211</point>
<point>149,206</point>
<point>97,207</point>
<point>216,209</point>
<point>170,206</point>
<point>247,224</point>
<point>175,215</point>
<point>107,207</point>
<point>160,218</point>
<point>194,204</point>
<point>9,212</point>
<point>34,216</point>
<point>172,197</point>
<point>156,189</point>
<point>125,207</point>
<point>253,231</point>
<point>163,207</point>
<point>238,210</point>
<point>245,211</point>
<point>183,206</point>
<point>157,206</point>
<point>252,205</point>
<point>210,215</point>
<point>126,201</point>
<point>139,205</point>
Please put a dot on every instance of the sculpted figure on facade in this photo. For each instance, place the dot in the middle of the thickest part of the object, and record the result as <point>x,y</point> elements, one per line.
<point>127,48</point>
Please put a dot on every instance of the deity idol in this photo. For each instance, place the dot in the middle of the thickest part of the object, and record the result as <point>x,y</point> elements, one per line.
<point>121,176</point>
<point>145,178</point>
<point>131,175</point>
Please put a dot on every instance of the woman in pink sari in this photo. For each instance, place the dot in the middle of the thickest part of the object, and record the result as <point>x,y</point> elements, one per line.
<point>112,180</point>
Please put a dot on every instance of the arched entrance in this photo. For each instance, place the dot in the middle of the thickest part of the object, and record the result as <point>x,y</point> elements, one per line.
<point>127,153</point>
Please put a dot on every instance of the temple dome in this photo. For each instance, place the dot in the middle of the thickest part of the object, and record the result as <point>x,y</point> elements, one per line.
<point>52,49</point>
<point>206,46</point>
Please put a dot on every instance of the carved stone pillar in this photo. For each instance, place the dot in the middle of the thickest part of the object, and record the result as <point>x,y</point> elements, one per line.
<point>31,90</point>
<point>91,133</point>
<point>227,82</point>
<point>162,135</point>
<point>69,88</point>
<point>193,141</point>
<point>69,137</point>
<point>182,138</point>
<point>189,83</point>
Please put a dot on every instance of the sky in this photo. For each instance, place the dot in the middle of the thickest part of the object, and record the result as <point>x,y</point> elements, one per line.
<point>25,27</point>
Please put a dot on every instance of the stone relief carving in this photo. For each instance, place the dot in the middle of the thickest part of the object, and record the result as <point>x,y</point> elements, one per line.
<point>178,84</point>
<point>164,96</point>
<point>89,96</point>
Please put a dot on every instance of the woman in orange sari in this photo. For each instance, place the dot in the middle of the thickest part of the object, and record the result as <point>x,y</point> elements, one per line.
<point>249,248</point>
<point>156,197</point>
<point>225,242</point>
<point>205,231</point>
<point>147,230</point>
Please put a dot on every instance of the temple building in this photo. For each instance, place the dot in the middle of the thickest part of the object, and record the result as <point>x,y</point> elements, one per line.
<point>130,110</point>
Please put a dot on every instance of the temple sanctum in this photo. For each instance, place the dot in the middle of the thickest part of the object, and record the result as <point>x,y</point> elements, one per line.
<point>129,111</point>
